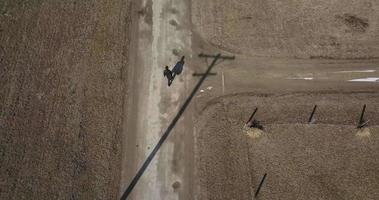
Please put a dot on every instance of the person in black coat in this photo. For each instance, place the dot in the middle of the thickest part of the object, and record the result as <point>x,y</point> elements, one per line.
<point>178,68</point>
<point>168,73</point>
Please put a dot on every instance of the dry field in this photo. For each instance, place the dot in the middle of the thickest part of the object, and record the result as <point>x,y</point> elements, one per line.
<point>291,28</point>
<point>62,77</point>
<point>328,159</point>
<point>83,100</point>
<point>291,55</point>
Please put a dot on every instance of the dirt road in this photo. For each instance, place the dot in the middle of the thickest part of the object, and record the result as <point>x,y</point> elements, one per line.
<point>162,34</point>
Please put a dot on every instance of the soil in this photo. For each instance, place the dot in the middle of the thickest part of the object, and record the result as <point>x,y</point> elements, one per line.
<point>290,56</point>
<point>328,159</point>
<point>62,76</point>
<point>83,100</point>
<point>302,29</point>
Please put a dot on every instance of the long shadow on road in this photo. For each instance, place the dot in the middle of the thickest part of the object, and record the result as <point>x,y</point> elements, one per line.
<point>170,127</point>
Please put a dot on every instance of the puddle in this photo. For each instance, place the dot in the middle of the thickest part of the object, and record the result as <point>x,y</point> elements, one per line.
<point>368,79</point>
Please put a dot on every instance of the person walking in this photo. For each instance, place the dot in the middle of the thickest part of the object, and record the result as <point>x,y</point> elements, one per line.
<point>168,73</point>
<point>178,68</point>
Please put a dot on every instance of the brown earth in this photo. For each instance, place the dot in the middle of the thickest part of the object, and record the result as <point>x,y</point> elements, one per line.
<point>62,77</point>
<point>230,160</point>
<point>289,57</point>
<point>64,99</point>
<point>329,159</point>
<point>291,28</point>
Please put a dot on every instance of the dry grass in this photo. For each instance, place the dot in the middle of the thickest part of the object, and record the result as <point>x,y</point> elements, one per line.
<point>301,29</point>
<point>329,159</point>
<point>61,96</point>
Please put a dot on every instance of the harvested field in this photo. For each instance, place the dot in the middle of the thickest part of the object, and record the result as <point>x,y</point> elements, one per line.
<point>303,29</point>
<point>291,55</point>
<point>62,78</point>
<point>329,159</point>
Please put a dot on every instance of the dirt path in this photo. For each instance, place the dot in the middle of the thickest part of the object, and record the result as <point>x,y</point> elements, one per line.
<point>162,35</point>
